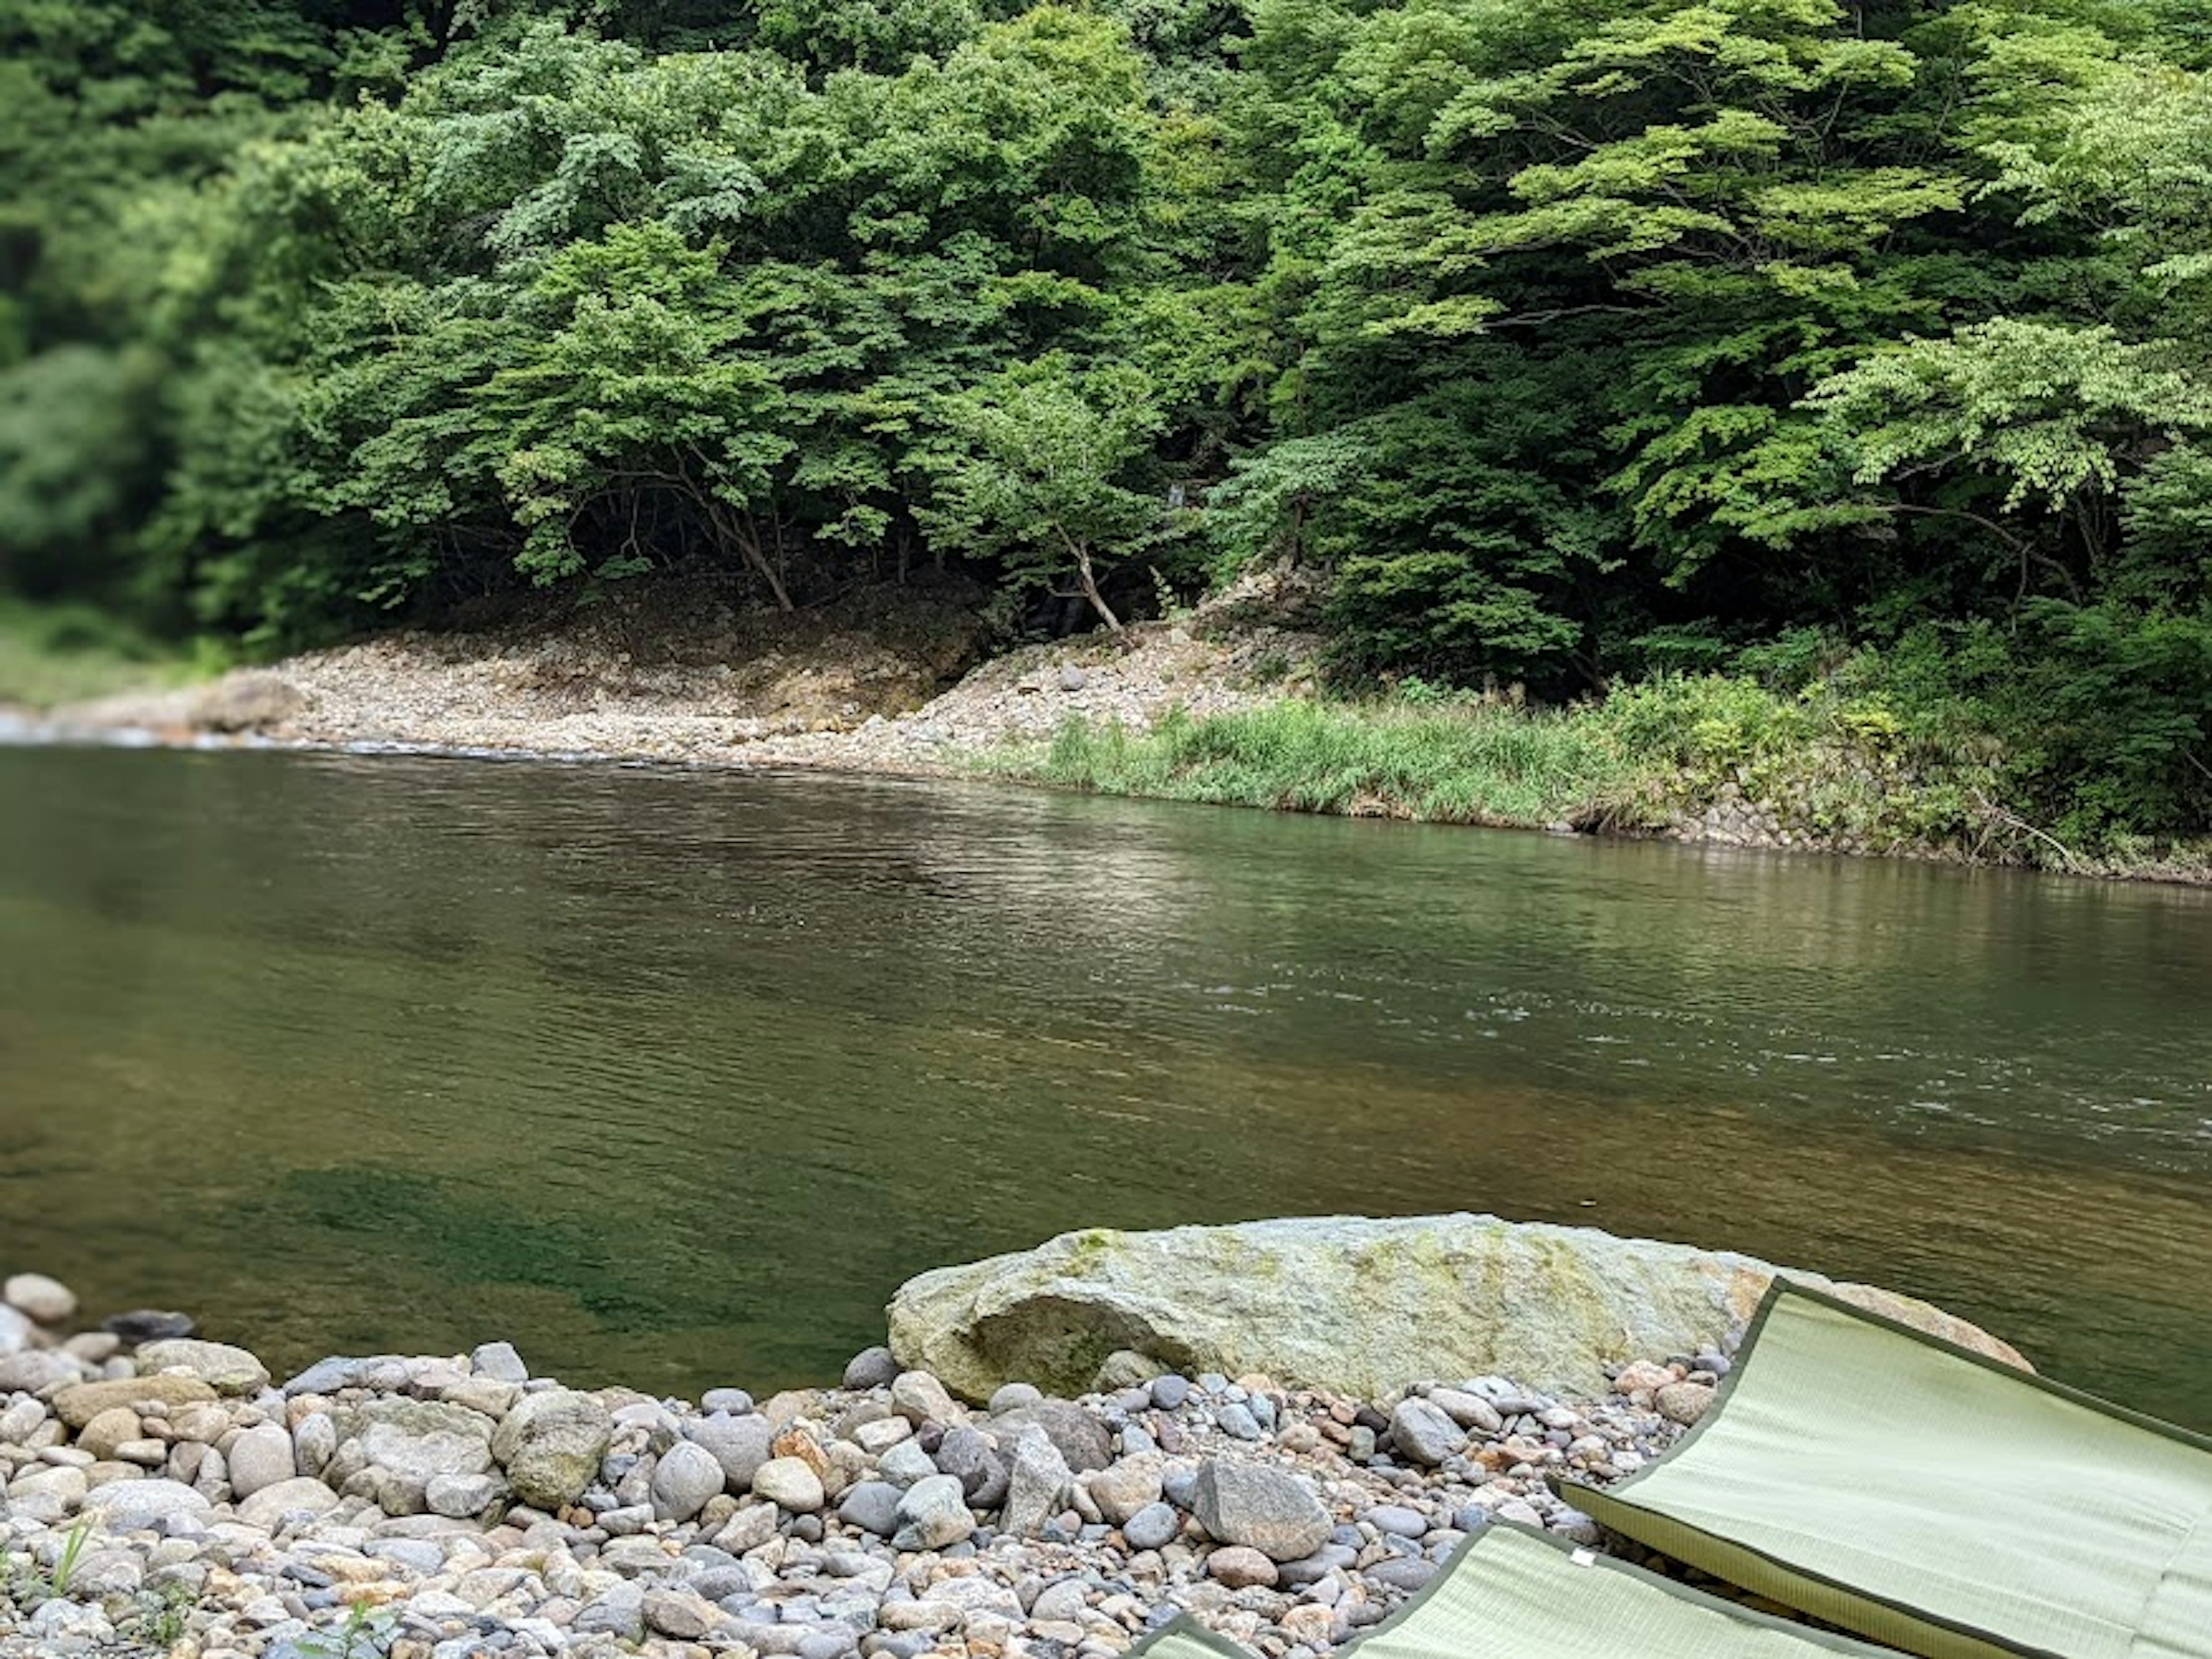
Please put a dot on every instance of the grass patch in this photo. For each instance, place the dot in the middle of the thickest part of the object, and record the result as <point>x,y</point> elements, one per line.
<point>1828,767</point>
<point>1467,762</point>
<point>53,654</point>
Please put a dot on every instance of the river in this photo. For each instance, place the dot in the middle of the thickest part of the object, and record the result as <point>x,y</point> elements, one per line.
<point>671,1078</point>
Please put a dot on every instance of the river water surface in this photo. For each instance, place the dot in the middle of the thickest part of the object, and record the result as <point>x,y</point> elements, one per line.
<point>671,1078</point>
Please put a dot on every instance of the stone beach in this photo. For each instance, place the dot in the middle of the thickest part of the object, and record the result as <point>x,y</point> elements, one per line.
<point>168,1496</point>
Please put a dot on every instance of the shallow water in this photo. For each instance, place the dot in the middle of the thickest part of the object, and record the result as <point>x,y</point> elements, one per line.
<point>671,1078</point>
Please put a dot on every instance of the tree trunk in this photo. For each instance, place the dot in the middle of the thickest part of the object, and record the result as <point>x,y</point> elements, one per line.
<point>1088,582</point>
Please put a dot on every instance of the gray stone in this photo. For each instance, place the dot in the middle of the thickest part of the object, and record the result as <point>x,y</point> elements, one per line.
<point>1405,1573</point>
<point>36,1371</point>
<point>460,1495</point>
<point>1037,1484</point>
<point>550,1445</point>
<point>129,1505</point>
<point>1424,1434</point>
<point>314,1441</point>
<point>301,1495</point>
<point>1080,1438</point>
<point>753,1525</point>
<point>1352,1305</point>
<point>727,1402</point>
<point>1152,1528</point>
<point>934,1514</point>
<point>1312,1569</point>
<point>416,1439</point>
<point>618,1611</point>
<point>969,1454</point>
<point>1013,1397</point>
<point>1470,1411</point>
<point>500,1362</point>
<point>1397,1520</point>
<point>149,1324</point>
<point>921,1398</point>
<point>1170,1392</point>
<point>328,1375</point>
<point>1236,1422</point>
<point>687,1476</point>
<point>873,1507</point>
<point>739,1444</point>
<point>870,1368</point>
<point>260,1457</point>
<point>1063,1603</point>
<point>1273,1512</point>
<point>905,1463</point>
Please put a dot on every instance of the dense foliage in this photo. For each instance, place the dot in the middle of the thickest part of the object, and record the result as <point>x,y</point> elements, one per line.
<point>1582,340</point>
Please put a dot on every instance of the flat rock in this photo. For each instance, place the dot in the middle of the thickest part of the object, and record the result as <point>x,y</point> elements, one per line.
<point>1353,1305</point>
<point>35,1371</point>
<point>1241,1567</point>
<point>225,1368</point>
<point>78,1404</point>
<point>127,1505</point>
<point>418,1439</point>
<point>301,1494</point>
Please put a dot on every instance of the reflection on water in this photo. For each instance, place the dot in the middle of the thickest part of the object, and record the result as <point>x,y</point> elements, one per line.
<point>672,1078</point>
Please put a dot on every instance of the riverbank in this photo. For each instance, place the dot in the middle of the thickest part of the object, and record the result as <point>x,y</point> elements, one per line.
<point>1223,705</point>
<point>167,1496</point>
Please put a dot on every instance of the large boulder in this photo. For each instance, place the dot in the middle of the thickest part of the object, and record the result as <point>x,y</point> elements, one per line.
<point>1356,1305</point>
<point>550,1445</point>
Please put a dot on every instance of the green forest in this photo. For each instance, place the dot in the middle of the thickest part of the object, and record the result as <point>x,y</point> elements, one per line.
<point>1581,345</point>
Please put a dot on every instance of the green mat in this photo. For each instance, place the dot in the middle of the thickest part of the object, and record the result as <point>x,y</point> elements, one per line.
<point>1512,1593</point>
<point>1892,1484</point>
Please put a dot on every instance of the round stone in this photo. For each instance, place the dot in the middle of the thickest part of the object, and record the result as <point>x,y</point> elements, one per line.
<point>1241,1567</point>
<point>790,1483</point>
<point>46,1300</point>
<point>1152,1528</point>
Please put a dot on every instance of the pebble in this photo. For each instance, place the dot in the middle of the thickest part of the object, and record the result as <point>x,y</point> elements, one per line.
<point>789,1483</point>
<point>1241,1568</point>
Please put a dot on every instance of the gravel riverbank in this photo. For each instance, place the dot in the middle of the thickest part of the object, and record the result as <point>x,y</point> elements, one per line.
<point>877,684</point>
<point>166,1495</point>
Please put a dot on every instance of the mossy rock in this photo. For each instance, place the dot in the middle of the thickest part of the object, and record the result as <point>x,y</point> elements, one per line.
<point>1357,1306</point>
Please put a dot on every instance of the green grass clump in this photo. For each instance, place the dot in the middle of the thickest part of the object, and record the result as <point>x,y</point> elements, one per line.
<point>1461,763</point>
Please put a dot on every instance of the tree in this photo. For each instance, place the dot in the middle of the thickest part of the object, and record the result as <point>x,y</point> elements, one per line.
<point>1040,478</point>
